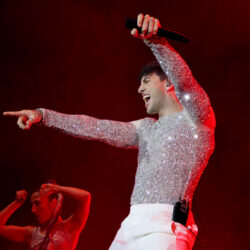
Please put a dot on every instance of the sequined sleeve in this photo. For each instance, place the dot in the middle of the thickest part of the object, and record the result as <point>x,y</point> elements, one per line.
<point>118,134</point>
<point>188,91</point>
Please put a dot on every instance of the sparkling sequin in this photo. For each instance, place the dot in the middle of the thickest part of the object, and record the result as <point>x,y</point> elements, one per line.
<point>173,151</point>
<point>57,241</point>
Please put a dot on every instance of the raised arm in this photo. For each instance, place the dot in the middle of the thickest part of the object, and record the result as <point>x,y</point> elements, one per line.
<point>13,206</point>
<point>188,91</point>
<point>79,217</point>
<point>14,233</point>
<point>118,134</point>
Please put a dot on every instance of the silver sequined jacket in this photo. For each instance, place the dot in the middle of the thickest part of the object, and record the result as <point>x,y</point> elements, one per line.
<point>173,151</point>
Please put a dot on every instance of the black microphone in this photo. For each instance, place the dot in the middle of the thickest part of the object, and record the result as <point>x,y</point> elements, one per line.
<point>166,33</point>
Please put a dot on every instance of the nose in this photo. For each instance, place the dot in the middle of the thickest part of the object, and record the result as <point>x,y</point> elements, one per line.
<point>141,89</point>
<point>33,209</point>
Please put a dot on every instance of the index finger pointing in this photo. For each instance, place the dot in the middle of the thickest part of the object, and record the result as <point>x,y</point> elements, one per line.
<point>12,113</point>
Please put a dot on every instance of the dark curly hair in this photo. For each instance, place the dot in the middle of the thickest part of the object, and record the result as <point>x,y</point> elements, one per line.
<point>152,67</point>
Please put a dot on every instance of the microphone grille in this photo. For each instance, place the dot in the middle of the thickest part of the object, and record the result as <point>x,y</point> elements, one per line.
<point>131,23</point>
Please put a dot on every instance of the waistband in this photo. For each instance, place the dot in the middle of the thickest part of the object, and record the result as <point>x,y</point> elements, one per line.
<point>151,208</point>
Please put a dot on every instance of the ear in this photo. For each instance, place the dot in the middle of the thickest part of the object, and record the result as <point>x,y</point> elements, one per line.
<point>169,86</point>
<point>53,203</point>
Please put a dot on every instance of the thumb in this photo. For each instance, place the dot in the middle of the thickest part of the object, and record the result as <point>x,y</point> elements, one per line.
<point>135,33</point>
<point>28,124</point>
<point>21,122</point>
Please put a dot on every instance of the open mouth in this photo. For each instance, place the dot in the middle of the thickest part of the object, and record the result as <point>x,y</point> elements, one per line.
<point>146,99</point>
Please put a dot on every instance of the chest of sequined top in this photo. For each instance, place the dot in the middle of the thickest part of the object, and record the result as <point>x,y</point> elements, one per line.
<point>173,153</point>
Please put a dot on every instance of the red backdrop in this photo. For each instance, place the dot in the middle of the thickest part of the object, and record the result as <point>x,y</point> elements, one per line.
<point>77,57</point>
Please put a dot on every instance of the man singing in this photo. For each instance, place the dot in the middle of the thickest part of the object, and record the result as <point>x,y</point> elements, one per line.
<point>173,150</point>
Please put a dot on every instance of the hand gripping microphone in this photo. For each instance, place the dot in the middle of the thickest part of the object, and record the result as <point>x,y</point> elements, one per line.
<point>166,33</point>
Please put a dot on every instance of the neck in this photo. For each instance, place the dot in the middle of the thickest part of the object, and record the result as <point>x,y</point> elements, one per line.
<point>45,225</point>
<point>171,106</point>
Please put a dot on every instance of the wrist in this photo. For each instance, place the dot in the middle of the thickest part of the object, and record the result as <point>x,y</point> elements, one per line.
<point>57,188</point>
<point>155,40</point>
<point>18,203</point>
<point>40,115</point>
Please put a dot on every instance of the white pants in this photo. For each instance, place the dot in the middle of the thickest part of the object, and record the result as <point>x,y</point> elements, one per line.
<point>150,227</point>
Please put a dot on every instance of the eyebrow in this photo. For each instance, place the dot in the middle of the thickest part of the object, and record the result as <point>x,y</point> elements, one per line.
<point>145,78</point>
